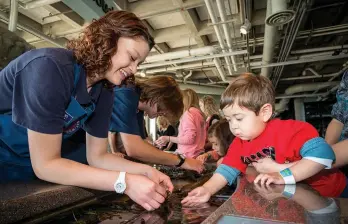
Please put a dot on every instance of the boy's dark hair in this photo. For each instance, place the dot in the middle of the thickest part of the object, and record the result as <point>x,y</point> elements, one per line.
<point>221,131</point>
<point>249,91</point>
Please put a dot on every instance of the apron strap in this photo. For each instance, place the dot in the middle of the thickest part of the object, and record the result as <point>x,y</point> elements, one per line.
<point>77,70</point>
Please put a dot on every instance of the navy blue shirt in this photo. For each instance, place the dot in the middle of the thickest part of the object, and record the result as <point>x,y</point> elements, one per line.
<point>36,88</point>
<point>126,118</point>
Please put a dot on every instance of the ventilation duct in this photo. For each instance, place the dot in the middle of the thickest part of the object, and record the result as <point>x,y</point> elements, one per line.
<point>275,16</point>
<point>280,15</point>
<point>283,103</point>
<point>181,54</point>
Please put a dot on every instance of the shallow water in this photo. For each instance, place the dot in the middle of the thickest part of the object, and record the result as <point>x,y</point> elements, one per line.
<point>116,209</point>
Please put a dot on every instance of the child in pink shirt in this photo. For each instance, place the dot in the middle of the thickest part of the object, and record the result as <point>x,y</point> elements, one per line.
<point>192,134</point>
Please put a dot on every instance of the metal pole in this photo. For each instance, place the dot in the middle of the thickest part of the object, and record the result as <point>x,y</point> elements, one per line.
<point>5,19</point>
<point>218,34</point>
<point>185,60</point>
<point>12,25</point>
<point>292,62</point>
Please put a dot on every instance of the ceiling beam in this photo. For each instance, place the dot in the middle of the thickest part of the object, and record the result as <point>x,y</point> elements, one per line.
<point>203,28</point>
<point>149,8</point>
<point>72,18</point>
<point>159,47</point>
<point>192,22</point>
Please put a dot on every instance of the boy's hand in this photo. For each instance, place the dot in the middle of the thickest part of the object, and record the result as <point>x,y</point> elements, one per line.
<point>271,178</point>
<point>267,165</point>
<point>197,196</point>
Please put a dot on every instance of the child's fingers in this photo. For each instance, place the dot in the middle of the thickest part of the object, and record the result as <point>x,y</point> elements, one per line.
<point>257,179</point>
<point>264,179</point>
<point>269,181</point>
<point>194,192</point>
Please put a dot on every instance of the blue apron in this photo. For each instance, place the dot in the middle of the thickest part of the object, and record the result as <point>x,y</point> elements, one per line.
<point>14,148</point>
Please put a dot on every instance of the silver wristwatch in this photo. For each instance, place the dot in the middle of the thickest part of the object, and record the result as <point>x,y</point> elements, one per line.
<point>120,184</point>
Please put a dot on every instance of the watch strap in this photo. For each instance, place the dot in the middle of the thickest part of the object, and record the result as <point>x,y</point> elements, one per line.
<point>182,160</point>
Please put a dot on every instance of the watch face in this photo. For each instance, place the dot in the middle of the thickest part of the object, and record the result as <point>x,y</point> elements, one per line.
<point>120,188</point>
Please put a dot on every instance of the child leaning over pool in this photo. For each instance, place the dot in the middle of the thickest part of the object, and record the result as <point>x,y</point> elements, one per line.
<point>220,137</point>
<point>248,104</point>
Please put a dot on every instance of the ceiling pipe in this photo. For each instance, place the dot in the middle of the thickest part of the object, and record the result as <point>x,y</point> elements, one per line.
<point>335,75</point>
<point>211,90</point>
<point>37,3</point>
<point>185,60</point>
<point>282,105</point>
<point>181,54</point>
<point>222,13</point>
<point>187,76</point>
<point>12,25</point>
<point>5,19</point>
<point>187,66</point>
<point>270,40</point>
<point>318,49</point>
<point>306,60</point>
<point>307,77</point>
<point>218,66</point>
<point>218,34</point>
<point>282,96</point>
<point>304,72</point>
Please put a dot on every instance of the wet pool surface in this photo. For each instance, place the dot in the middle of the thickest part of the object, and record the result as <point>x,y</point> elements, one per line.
<point>120,209</point>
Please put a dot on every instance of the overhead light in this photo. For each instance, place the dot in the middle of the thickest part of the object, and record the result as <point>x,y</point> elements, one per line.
<point>143,73</point>
<point>245,28</point>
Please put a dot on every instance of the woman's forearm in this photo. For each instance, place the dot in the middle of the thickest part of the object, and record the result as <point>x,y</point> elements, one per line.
<point>68,172</point>
<point>333,131</point>
<point>111,162</point>
<point>112,142</point>
<point>185,140</point>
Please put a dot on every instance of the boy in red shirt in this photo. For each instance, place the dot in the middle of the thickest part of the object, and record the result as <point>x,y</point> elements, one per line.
<point>248,105</point>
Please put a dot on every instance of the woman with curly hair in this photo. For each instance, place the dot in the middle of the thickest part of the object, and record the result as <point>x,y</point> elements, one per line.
<point>48,94</point>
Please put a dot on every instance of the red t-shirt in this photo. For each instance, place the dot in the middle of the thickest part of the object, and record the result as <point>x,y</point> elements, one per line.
<point>283,140</point>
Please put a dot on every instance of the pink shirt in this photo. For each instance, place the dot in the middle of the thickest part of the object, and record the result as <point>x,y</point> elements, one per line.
<point>192,134</point>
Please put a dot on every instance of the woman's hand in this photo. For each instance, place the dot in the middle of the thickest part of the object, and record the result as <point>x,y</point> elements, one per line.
<point>196,197</point>
<point>193,164</point>
<point>203,158</point>
<point>145,192</point>
<point>119,154</point>
<point>159,178</point>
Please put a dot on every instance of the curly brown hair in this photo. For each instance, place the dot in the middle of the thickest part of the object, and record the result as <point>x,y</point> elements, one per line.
<point>164,91</point>
<point>98,42</point>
